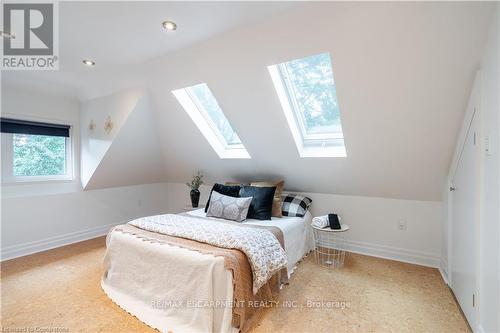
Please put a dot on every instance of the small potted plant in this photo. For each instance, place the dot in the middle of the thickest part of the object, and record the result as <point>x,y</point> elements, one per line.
<point>195,186</point>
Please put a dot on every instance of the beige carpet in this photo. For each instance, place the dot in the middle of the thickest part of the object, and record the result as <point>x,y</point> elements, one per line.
<point>59,290</point>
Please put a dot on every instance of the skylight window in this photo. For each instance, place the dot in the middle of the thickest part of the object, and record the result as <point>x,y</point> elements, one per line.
<point>201,105</point>
<point>307,93</point>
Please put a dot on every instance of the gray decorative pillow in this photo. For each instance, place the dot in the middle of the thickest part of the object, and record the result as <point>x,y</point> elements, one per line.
<point>229,208</point>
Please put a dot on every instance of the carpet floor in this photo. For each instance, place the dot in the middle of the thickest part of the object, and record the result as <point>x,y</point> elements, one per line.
<point>59,291</point>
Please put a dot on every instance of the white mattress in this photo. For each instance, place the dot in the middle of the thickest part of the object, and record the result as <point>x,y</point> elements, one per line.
<point>296,233</point>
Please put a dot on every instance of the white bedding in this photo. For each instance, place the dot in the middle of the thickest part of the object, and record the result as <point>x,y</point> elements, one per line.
<point>140,273</point>
<point>296,233</point>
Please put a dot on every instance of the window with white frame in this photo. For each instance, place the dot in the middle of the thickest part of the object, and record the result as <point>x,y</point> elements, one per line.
<point>35,151</point>
<point>308,96</point>
<point>201,105</point>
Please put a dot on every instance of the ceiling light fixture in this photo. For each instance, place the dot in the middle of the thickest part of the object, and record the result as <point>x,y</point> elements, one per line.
<point>169,25</point>
<point>7,35</point>
<point>88,62</point>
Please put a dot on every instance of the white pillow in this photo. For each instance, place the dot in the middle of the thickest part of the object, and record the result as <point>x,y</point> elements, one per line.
<point>229,208</point>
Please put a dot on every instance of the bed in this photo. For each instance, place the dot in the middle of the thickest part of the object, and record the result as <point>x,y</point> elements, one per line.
<point>184,285</point>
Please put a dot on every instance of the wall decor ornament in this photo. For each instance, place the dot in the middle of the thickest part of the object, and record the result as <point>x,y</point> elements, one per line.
<point>92,125</point>
<point>108,125</point>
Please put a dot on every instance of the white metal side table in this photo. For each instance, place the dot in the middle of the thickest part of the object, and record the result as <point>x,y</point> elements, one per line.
<point>330,245</point>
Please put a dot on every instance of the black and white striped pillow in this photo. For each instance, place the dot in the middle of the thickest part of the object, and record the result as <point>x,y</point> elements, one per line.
<point>295,205</point>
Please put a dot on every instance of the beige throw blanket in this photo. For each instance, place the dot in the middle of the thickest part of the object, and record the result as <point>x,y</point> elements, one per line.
<point>263,250</point>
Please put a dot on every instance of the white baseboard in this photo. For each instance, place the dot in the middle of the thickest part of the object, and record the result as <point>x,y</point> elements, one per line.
<point>443,269</point>
<point>19,250</point>
<point>374,250</point>
<point>394,253</point>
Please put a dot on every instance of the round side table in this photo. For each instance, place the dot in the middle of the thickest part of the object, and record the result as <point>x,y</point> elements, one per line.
<point>330,246</point>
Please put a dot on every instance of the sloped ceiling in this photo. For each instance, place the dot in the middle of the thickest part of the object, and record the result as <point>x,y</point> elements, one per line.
<point>403,73</point>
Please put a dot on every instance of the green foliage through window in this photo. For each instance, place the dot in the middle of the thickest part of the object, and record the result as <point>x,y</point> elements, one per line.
<point>311,88</point>
<point>207,103</point>
<point>39,155</point>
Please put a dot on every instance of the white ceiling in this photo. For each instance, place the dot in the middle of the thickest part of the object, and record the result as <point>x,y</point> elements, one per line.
<point>403,73</point>
<point>120,35</point>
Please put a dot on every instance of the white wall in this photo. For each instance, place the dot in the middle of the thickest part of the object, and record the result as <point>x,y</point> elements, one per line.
<point>373,222</point>
<point>42,215</point>
<point>95,144</point>
<point>34,220</point>
<point>136,146</point>
<point>35,223</point>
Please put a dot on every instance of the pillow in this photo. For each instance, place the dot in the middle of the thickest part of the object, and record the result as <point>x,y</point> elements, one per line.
<point>295,205</point>
<point>262,203</point>
<point>229,208</point>
<point>276,212</point>
<point>232,191</point>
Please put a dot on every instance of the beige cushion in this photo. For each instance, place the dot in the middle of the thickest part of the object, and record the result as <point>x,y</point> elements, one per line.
<point>277,195</point>
<point>232,183</point>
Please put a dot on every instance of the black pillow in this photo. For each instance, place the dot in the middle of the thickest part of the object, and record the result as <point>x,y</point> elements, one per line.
<point>229,190</point>
<point>261,206</point>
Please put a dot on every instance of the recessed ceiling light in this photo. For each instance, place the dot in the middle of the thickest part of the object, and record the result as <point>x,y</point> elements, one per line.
<point>7,35</point>
<point>88,62</point>
<point>169,25</point>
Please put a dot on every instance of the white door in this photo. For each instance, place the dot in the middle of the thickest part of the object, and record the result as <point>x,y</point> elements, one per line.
<point>464,220</point>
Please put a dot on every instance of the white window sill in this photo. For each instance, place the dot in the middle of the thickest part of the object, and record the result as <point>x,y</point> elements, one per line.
<point>37,180</point>
<point>38,188</point>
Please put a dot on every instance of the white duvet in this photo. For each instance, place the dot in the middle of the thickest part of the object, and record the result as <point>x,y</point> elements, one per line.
<point>263,251</point>
<point>296,232</point>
